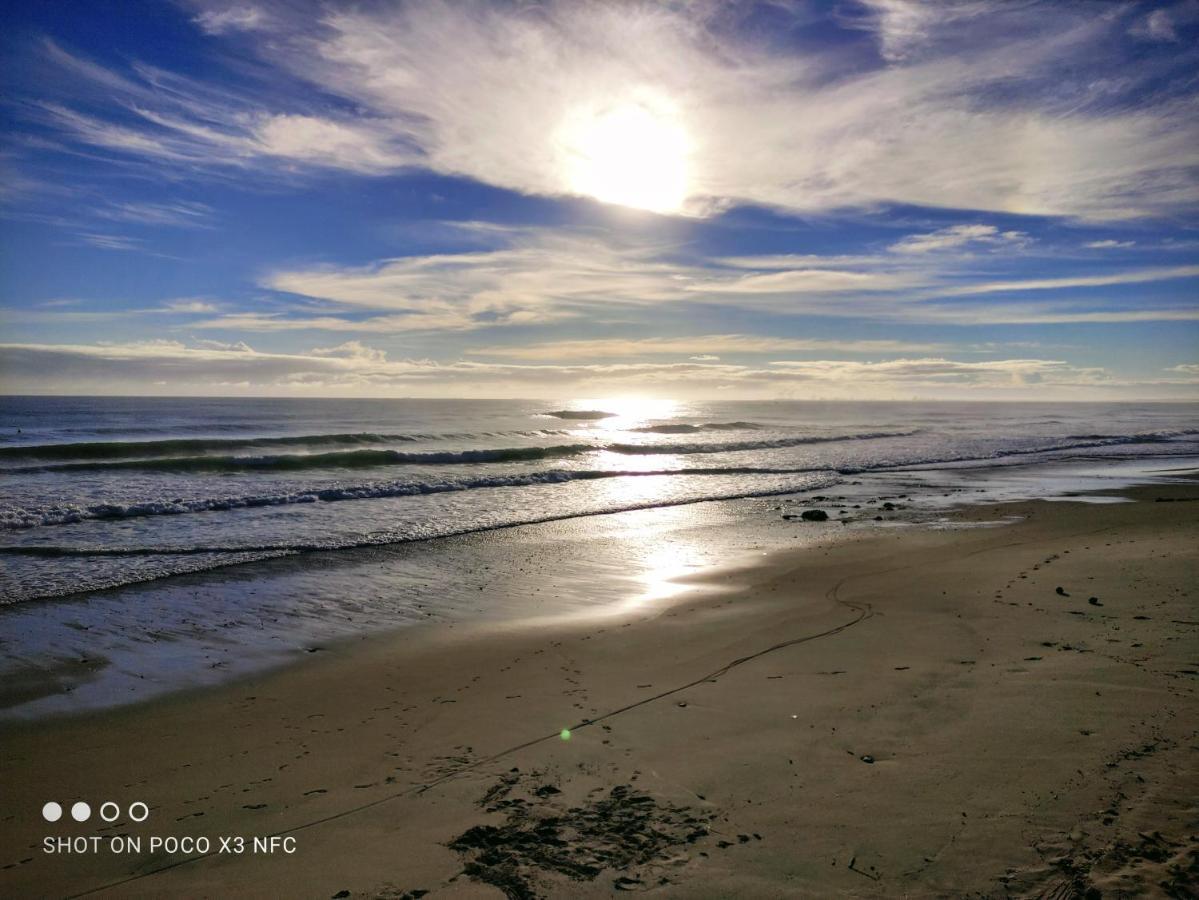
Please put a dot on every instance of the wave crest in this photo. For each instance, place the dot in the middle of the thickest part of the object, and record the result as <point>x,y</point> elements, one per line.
<point>102,450</point>
<point>345,459</point>
<point>17,518</point>
<point>692,429</point>
<point>360,459</point>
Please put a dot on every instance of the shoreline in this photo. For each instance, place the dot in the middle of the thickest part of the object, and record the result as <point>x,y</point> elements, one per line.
<point>107,648</point>
<point>898,739</point>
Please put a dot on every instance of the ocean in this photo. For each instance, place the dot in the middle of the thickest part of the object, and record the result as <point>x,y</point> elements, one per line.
<point>148,544</point>
<point>100,492</point>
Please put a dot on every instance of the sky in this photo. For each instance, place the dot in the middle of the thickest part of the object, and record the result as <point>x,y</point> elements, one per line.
<point>859,199</point>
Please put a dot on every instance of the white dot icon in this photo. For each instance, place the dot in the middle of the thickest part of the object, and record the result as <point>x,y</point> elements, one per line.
<point>81,812</point>
<point>51,812</point>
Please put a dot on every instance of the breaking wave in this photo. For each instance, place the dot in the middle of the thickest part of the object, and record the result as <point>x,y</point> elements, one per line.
<point>344,459</point>
<point>101,450</point>
<point>14,518</point>
<point>358,459</point>
<point>692,429</point>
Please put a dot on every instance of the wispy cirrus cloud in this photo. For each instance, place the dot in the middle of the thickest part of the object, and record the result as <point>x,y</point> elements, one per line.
<point>1051,313</point>
<point>958,236</point>
<point>84,211</point>
<point>1162,25</point>
<point>238,139</point>
<point>702,348</point>
<point>538,276</point>
<point>810,281</point>
<point>779,131</point>
<point>485,92</point>
<point>231,18</point>
<point>936,370</point>
<point>69,311</point>
<point>904,27</point>
<point>189,305</point>
<point>266,322</point>
<point>179,214</point>
<point>153,115</point>
<point>1109,244</point>
<point>1134,276</point>
<point>110,241</point>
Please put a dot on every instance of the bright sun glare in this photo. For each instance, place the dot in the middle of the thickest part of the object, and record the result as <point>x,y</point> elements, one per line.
<point>632,154</point>
<point>629,412</point>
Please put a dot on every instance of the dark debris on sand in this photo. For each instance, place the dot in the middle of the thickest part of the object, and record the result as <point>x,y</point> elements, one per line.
<point>1166,868</point>
<point>1101,859</point>
<point>618,830</point>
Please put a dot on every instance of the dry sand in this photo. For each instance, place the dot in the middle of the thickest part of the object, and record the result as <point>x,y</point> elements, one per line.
<point>904,712</point>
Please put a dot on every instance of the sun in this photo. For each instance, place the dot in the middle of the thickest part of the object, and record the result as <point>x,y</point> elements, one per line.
<point>632,153</point>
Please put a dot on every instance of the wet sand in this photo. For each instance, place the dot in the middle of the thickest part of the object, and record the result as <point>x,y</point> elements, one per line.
<point>901,712</point>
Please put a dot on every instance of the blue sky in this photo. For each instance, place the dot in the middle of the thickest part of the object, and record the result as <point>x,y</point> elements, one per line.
<point>867,198</point>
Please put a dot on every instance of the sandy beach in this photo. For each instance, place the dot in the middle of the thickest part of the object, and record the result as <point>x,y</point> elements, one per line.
<point>979,711</point>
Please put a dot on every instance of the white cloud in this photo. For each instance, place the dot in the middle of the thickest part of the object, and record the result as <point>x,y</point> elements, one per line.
<point>1109,244</point>
<point>809,281</point>
<point>906,26</point>
<point>136,141</point>
<point>540,276</point>
<point>232,18</point>
<point>778,261</point>
<point>699,348</point>
<point>484,92</point>
<point>1047,314</point>
<point>110,241</point>
<point>354,350</point>
<point>1157,26</point>
<point>1136,276</point>
<point>935,370</point>
<point>956,236</point>
<point>179,214</point>
<point>178,123</point>
<point>543,275</point>
<point>767,130</point>
<point>276,322</point>
<point>189,305</point>
<point>65,312</point>
<point>236,347</point>
<point>363,147</point>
